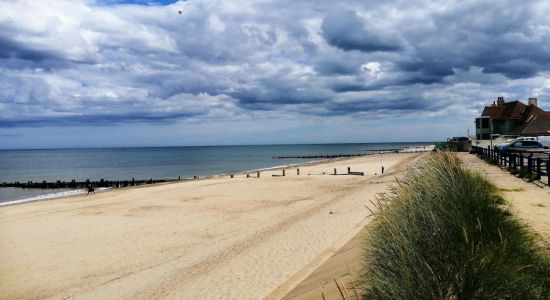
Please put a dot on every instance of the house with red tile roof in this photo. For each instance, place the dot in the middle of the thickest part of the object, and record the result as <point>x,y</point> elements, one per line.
<point>512,119</point>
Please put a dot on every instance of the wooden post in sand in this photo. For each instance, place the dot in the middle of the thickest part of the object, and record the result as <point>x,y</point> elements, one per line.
<point>247,175</point>
<point>195,177</point>
<point>334,171</point>
<point>298,171</point>
<point>349,170</point>
<point>258,174</point>
<point>232,175</point>
<point>283,172</point>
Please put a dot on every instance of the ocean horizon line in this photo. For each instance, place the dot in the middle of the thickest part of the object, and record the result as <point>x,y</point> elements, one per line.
<point>223,145</point>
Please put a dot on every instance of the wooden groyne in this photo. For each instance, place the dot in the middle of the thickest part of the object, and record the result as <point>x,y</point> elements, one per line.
<point>384,150</point>
<point>73,184</point>
<point>368,152</point>
<point>319,156</point>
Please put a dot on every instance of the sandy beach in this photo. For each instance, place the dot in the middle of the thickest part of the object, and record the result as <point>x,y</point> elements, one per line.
<point>529,201</point>
<point>218,238</point>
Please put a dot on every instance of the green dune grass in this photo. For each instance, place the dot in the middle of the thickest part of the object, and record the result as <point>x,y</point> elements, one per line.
<point>443,233</point>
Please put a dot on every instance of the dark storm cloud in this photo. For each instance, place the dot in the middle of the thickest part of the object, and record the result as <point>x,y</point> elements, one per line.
<point>347,31</point>
<point>393,105</point>
<point>10,49</point>
<point>66,63</point>
<point>97,120</point>
<point>507,39</point>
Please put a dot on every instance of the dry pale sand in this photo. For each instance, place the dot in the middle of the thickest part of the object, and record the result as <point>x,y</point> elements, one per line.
<point>219,238</point>
<point>528,201</point>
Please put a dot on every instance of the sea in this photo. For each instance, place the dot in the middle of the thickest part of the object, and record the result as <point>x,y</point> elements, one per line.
<point>152,162</point>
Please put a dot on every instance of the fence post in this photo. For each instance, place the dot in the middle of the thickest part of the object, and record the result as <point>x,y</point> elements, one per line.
<point>529,164</point>
<point>506,160</point>
<point>539,175</point>
<point>521,161</point>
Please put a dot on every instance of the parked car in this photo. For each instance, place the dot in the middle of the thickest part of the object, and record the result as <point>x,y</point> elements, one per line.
<point>518,139</point>
<point>519,145</point>
<point>544,140</point>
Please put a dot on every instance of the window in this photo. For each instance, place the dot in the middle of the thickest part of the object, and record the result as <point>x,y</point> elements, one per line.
<point>529,143</point>
<point>478,123</point>
<point>485,123</point>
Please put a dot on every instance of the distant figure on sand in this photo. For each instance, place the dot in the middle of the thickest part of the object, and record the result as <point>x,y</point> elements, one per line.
<point>91,189</point>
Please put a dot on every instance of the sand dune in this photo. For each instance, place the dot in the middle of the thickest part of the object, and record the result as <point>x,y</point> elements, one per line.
<point>219,238</point>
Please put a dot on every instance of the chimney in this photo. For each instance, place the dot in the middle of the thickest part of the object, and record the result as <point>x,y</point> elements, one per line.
<point>500,101</point>
<point>532,101</point>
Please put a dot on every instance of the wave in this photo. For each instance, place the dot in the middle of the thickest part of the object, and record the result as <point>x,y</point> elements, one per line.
<point>50,196</point>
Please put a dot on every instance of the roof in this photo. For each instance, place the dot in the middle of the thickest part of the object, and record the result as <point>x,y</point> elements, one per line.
<point>532,119</point>
<point>513,110</point>
<point>510,110</point>
<point>534,125</point>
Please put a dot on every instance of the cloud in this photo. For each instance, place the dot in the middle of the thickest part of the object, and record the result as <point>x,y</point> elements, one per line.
<point>115,62</point>
<point>346,30</point>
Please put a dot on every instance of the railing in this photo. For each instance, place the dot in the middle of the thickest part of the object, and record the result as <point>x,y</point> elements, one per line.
<point>530,164</point>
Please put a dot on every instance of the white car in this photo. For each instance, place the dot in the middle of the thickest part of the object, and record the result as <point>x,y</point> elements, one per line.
<point>545,141</point>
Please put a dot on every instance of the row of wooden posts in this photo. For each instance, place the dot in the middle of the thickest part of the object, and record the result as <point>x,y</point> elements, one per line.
<point>335,172</point>
<point>527,162</point>
<point>73,184</point>
<point>104,183</point>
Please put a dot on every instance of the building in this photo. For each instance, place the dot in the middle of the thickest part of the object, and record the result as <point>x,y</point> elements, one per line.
<point>511,119</point>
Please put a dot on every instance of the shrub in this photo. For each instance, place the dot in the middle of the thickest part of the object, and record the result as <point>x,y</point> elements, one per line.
<point>442,233</point>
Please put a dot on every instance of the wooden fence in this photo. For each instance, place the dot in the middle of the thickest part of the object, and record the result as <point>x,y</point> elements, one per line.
<point>531,164</point>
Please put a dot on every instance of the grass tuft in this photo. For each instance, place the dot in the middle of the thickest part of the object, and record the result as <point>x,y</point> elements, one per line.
<point>443,233</point>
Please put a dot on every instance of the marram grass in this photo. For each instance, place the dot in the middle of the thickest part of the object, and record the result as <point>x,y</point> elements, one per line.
<point>442,233</point>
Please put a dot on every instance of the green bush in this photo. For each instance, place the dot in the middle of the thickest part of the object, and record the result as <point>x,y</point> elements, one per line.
<point>442,233</point>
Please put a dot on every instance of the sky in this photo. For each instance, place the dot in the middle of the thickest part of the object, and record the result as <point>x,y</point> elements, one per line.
<point>113,73</point>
